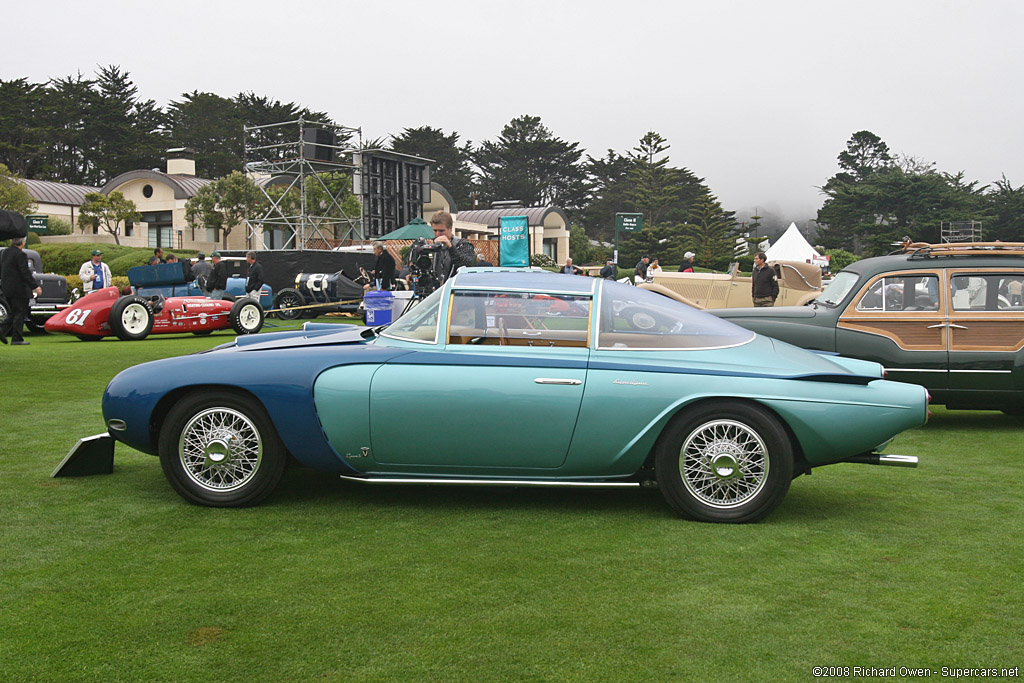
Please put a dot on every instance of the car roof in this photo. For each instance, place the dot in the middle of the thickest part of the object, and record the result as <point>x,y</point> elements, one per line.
<point>524,279</point>
<point>922,256</point>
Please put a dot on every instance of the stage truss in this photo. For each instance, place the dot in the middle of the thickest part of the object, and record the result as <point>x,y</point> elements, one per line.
<point>314,169</point>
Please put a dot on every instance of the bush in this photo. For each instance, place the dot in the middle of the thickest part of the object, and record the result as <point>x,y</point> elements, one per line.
<point>839,259</point>
<point>58,226</point>
<point>66,259</point>
<point>542,261</point>
<point>32,238</point>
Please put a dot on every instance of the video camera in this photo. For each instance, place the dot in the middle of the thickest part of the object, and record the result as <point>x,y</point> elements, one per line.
<point>421,264</point>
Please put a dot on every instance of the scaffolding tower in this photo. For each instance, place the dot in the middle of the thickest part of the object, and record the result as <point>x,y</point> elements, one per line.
<point>304,172</point>
<point>960,231</point>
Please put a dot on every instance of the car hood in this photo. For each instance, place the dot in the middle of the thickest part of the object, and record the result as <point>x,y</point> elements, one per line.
<point>773,313</point>
<point>311,335</point>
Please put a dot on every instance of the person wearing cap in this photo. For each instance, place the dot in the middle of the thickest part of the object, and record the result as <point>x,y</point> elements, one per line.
<point>640,272</point>
<point>201,270</point>
<point>218,280</point>
<point>687,265</point>
<point>95,274</point>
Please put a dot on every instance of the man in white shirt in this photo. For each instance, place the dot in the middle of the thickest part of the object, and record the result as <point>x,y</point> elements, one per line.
<point>95,274</point>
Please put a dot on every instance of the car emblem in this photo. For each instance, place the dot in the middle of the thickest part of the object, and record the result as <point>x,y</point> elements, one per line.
<point>631,382</point>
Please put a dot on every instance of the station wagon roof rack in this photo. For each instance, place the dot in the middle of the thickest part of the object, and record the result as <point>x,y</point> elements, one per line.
<point>926,250</point>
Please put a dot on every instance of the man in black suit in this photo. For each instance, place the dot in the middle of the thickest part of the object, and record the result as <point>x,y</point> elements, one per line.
<point>17,284</point>
<point>384,268</point>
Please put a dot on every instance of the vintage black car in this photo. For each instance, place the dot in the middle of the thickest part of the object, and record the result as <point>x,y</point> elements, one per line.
<point>949,317</point>
<point>54,298</point>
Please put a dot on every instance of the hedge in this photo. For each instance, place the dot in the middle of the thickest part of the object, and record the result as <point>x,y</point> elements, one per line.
<point>67,259</point>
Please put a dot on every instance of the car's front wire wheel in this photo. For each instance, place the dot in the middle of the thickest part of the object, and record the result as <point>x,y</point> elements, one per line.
<point>724,462</point>
<point>220,449</point>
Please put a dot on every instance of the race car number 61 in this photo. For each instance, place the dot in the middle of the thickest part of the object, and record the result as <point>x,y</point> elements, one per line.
<point>78,316</point>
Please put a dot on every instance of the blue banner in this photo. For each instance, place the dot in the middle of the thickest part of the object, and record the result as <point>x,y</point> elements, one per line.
<point>514,235</point>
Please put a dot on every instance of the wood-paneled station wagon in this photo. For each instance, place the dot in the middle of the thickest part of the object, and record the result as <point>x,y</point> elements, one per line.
<point>949,317</point>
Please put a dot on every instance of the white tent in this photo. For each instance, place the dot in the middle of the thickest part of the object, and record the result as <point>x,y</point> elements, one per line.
<point>793,247</point>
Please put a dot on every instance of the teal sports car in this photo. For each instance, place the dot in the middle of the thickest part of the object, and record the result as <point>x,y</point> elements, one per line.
<point>516,377</point>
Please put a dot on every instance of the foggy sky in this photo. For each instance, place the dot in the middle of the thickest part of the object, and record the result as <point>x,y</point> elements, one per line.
<point>758,98</point>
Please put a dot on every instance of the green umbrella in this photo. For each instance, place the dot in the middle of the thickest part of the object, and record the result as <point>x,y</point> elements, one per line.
<point>417,227</point>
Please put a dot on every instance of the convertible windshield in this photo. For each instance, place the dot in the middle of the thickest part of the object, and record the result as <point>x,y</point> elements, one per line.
<point>419,323</point>
<point>837,290</point>
<point>634,318</point>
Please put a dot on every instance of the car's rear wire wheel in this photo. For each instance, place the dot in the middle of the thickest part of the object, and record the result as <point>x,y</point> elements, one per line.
<point>221,450</point>
<point>724,462</point>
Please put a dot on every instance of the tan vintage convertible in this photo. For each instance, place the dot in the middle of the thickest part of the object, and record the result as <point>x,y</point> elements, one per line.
<point>799,282</point>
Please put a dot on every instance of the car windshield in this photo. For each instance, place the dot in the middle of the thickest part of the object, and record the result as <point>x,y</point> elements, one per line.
<point>837,290</point>
<point>634,318</point>
<point>420,322</point>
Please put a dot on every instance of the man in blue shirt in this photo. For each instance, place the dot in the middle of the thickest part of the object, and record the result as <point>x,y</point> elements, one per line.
<point>95,274</point>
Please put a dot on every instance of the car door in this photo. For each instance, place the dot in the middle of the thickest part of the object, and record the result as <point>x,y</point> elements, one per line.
<point>502,389</point>
<point>986,328</point>
<point>898,319</point>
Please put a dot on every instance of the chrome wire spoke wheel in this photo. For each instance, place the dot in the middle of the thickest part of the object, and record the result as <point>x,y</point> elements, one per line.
<point>724,463</point>
<point>220,449</point>
<point>135,318</point>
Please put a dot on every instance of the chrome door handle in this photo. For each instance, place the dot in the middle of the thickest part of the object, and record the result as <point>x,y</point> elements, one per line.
<point>954,326</point>
<point>557,380</point>
<point>932,327</point>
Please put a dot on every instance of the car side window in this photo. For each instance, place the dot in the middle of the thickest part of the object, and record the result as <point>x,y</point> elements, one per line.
<point>902,293</point>
<point>987,292</point>
<point>634,318</point>
<point>519,319</point>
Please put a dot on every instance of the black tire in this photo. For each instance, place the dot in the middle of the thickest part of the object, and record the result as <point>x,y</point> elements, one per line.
<point>4,312</point>
<point>246,317</point>
<point>751,470</point>
<point>1013,412</point>
<point>34,326</point>
<point>289,298</point>
<point>220,449</point>
<point>131,318</point>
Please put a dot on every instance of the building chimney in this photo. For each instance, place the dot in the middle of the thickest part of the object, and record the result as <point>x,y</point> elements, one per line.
<point>181,161</point>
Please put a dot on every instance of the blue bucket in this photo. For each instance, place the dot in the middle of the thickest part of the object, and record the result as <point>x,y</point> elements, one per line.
<point>378,307</point>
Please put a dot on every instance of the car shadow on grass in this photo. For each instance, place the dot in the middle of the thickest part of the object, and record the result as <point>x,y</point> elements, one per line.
<point>302,486</point>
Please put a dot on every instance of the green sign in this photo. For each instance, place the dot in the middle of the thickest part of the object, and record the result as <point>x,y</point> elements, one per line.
<point>514,232</point>
<point>37,224</point>
<point>629,222</point>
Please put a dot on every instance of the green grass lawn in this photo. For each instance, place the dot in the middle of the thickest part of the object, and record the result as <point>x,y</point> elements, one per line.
<point>111,578</point>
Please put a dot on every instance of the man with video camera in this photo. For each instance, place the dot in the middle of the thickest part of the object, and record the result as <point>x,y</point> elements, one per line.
<point>452,252</point>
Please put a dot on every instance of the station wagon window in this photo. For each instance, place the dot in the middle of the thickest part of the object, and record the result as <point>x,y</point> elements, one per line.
<point>837,290</point>
<point>419,323</point>
<point>987,292</point>
<point>528,319</point>
<point>902,293</point>
<point>634,318</point>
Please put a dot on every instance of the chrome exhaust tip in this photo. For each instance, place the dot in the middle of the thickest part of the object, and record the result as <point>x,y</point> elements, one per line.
<point>888,460</point>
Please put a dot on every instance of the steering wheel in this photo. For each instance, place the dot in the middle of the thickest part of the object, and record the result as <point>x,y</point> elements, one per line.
<point>363,274</point>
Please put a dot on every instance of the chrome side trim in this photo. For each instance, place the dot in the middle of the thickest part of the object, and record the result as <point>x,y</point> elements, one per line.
<point>493,482</point>
<point>557,380</point>
<point>878,459</point>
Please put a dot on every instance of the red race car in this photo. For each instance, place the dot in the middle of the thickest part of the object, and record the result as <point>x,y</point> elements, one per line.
<point>105,312</point>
